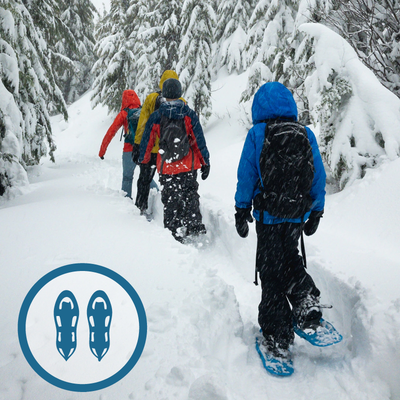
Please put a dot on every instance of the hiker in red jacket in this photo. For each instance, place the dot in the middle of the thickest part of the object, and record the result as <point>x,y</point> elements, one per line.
<point>129,100</point>
<point>181,152</point>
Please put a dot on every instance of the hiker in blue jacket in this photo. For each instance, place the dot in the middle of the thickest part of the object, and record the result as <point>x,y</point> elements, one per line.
<point>288,292</point>
<point>174,123</point>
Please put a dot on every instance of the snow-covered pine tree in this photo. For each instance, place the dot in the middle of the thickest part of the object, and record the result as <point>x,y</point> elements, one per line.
<point>78,16</point>
<point>46,15</point>
<point>358,119</point>
<point>198,21</point>
<point>46,18</point>
<point>256,28</point>
<point>116,67</point>
<point>27,92</point>
<point>145,81</point>
<point>163,37</point>
<point>372,27</point>
<point>298,55</point>
<point>270,48</point>
<point>230,34</point>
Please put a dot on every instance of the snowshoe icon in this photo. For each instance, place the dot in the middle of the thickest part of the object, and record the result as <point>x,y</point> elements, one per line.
<point>66,314</point>
<point>99,313</point>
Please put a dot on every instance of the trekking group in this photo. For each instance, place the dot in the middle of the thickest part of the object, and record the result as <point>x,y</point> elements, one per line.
<point>166,134</point>
<point>281,184</point>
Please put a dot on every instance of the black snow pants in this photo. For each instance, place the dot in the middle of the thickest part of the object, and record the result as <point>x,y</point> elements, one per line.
<point>147,172</point>
<point>181,203</point>
<point>284,280</point>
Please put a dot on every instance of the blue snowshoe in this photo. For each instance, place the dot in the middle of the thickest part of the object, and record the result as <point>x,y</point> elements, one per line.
<point>277,363</point>
<point>321,334</point>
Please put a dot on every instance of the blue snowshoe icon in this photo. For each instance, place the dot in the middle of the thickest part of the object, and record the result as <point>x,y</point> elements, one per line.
<point>66,314</point>
<point>99,313</point>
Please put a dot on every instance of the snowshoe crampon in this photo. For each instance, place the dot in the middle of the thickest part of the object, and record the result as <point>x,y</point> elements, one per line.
<point>322,334</point>
<point>274,365</point>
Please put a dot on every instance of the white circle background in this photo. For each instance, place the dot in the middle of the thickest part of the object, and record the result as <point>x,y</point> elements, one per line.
<point>82,367</point>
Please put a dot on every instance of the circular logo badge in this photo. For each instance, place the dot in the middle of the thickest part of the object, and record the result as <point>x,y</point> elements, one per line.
<point>82,327</point>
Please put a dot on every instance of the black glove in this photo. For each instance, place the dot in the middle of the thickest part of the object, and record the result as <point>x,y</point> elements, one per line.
<point>136,153</point>
<point>205,170</point>
<point>242,217</point>
<point>311,226</point>
<point>102,157</point>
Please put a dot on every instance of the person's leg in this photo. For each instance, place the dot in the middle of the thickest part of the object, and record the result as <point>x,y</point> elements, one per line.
<point>191,216</point>
<point>298,283</point>
<point>171,197</point>
<point>274,312</point>
<point>300,287</point>
<point>147,172</point>
<point>128,168</point>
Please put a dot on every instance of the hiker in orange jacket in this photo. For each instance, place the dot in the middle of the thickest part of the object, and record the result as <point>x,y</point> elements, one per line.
<point>129,100</point>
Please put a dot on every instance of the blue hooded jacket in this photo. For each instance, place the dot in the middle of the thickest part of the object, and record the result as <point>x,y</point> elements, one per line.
<point>273,100</point>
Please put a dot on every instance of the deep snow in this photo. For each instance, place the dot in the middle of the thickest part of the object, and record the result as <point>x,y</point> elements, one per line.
<point>201,304</point>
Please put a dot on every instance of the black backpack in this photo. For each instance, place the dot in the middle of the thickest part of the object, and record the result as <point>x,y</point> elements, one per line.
<point>174,140</point>
<point>133,118</point>
<point>287,170</point>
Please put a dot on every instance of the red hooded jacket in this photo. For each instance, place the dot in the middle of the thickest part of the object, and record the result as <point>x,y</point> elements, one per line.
<point>129,100</point>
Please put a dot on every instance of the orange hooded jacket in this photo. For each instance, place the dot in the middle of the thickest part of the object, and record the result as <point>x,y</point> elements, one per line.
<point>129,100</point>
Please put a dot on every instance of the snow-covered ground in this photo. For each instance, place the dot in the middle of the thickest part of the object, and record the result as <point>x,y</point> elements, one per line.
<point>201,303</point>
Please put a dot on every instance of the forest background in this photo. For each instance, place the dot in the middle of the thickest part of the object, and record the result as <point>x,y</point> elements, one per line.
<point>52,52</point>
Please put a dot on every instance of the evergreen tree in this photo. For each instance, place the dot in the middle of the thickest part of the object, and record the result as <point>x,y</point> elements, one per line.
<point>230,34</point>
<point>115,69</point>
<point>334,84</point>
<point>164,37</point>
<point>46,18</point>
<point>274,49</point>
<point>372,27</point>
<point>256,28</point>
<point>27,92</point>
<point>77,15</point>
<point>198,20</point>
<point>46,15</point>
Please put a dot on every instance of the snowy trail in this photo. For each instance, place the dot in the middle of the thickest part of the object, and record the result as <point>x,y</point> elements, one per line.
<point>201,304</point>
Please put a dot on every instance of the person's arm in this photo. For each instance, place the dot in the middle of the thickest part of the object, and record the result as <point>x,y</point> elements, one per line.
<point>247,173</point>
<point>112,130</point>
<point>199,139</point>
<point>318,186</point>
<point>147,109</point>
<point>151,132</point>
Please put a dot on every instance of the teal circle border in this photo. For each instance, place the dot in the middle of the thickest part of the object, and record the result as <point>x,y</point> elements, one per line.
<point>77,387</point>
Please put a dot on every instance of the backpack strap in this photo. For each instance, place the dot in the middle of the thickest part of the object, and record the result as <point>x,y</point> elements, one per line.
<point>303,248</point>
<point>256,278</point>
<point>158,101</point>
<point>123,127</point>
